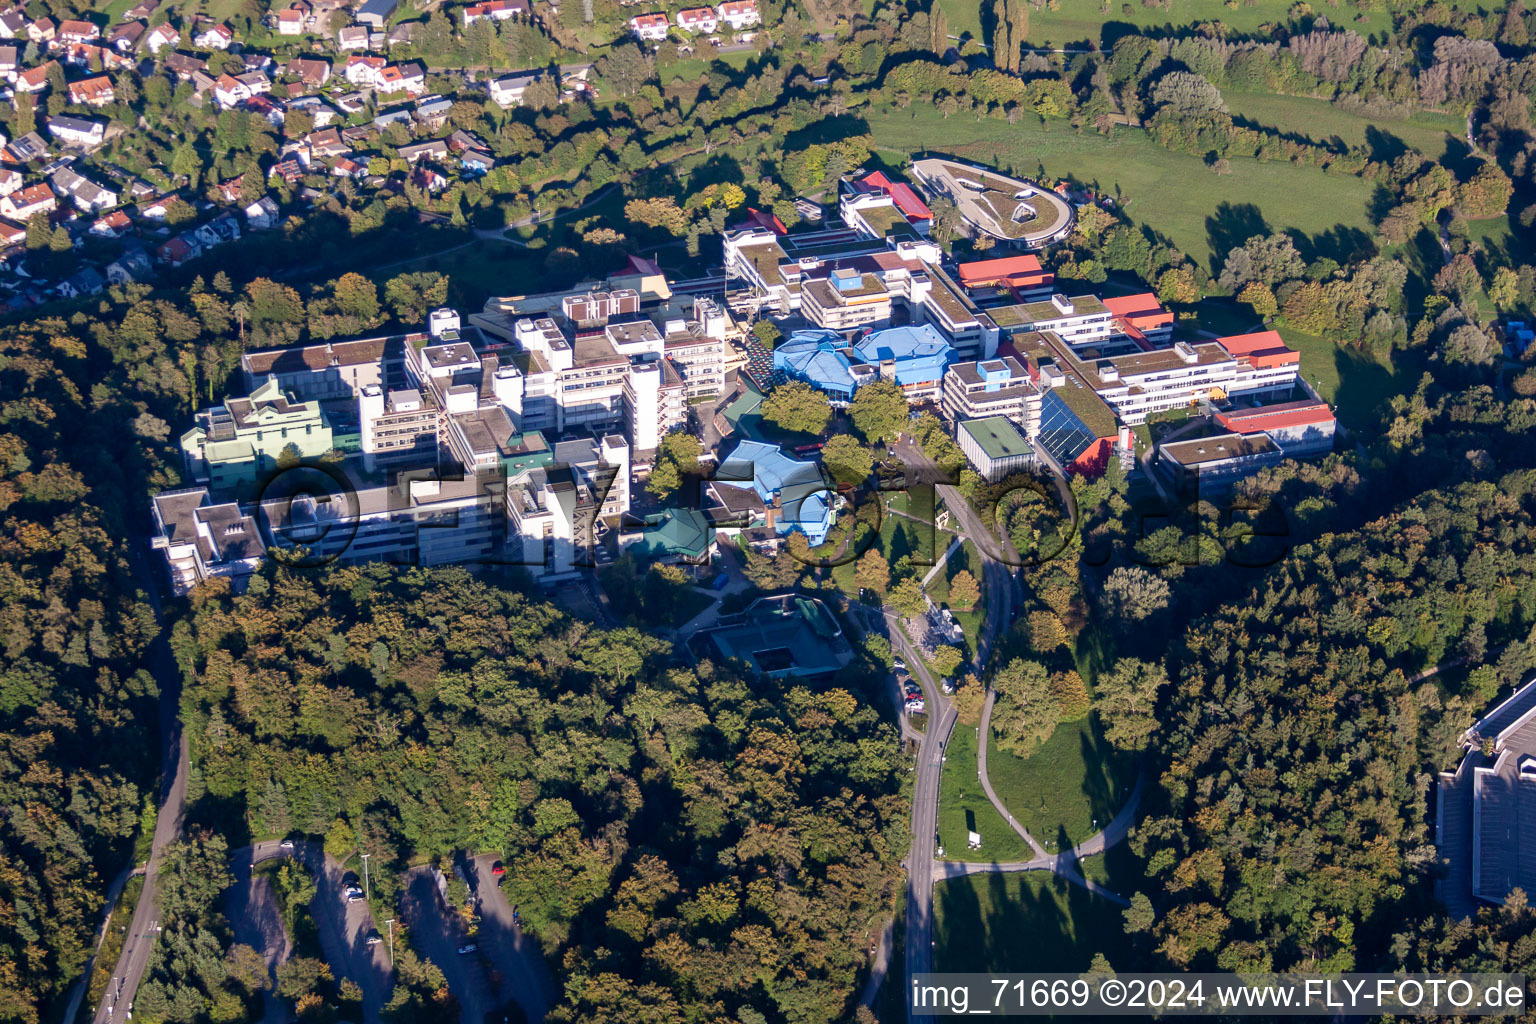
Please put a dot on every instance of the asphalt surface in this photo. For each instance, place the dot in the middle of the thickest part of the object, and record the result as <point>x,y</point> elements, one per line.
<point>517,963</point>
<point>437,935</point>
<point>343,927</point>
<point>251,907</point>
<point>144,928</point>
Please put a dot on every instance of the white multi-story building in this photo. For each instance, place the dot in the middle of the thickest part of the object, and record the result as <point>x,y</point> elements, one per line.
<point>554,509</point>
<point>605,365</point>
<point>1081,321</point>
<point>992,387</point>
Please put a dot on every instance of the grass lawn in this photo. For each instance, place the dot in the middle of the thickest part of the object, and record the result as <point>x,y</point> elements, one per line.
<point>1029,921</point>
<point>1060,790</point>
<point>1320,120</point>
<point>1502,245</point>
<point>1173,193</point>
<point>687,69</point>
<point>1352,380</point>
<point>964,807</point>
<point>898,536</point>
<point>1074,22</point>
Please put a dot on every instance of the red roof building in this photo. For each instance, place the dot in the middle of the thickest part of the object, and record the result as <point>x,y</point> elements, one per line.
<point>1018,274</point>
<point>906,200</point>
<point>1284,416</point>
<point>1260,349</point>
<point>1141,317</point>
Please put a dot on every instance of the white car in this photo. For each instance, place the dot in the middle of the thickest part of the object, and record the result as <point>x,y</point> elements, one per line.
<point>354,896</point>
<point>286,844</point>
<point>467,948</point>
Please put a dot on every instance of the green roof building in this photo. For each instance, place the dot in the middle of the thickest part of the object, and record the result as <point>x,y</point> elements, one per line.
<point>674,535</point>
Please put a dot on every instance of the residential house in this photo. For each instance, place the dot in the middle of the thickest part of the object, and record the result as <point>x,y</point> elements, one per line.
<point>124,37</point>
<point>428,180</point>
<point>12,234</point>
<point>85,193</point>
<point>698,20</point>
<point>254,61</point>
<point>376,13</point>
<point>10,181</point>
<point>82,282</point>
<point>346,167</point>
<point>27,148</point>
<point>650,27</point>
<point>497,10</point>
<point>223,228</point>
<point>262,215</point>
<point>35,79</point>
<point>434,149</point>
<point>399,115</point>
<point>184,65</point>
<point>476,160</point>
<point>400,35</point>
<point>111,225</point>
<point>740,14</point>
<point>13,24</point>
<point>315,108</point>
<point>93,92</point>
<point>291,21</point>
<point>508,90</point>
<point>362,71</point>
<point>141,10</point>
<point>352,37</point>
<point>312,71</point>
<point>232,90</point>
<point>27,203</point>
<point>10,63</point>
<point>43,30</point>
<point>162,37</point>
<point>326,143</point>
<point>73,31</point>
<point>290,170</point>
<point>202,83</point>
<point>134,265</point>
<point>179,250</point>
<point>432,113</point>
<point>409,78</point>
<point>461,140</point>
<point>157,209</point>
<point>215,37</point>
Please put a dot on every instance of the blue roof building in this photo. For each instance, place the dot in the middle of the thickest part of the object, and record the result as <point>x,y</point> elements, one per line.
<point>792,490</point>
<point>914,357</point>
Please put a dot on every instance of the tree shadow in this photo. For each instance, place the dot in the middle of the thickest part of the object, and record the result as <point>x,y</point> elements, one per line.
<point>1229,227</point>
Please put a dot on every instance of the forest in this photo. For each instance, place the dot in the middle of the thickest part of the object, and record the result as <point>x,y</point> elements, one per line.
<point>685,841</point>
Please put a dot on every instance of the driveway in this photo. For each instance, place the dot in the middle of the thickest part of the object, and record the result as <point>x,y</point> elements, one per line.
<point>517,962</point>
<point>437,936</point>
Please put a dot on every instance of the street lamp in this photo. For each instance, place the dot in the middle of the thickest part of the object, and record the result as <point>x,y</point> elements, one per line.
<point>391,924</point>
<point>367,889</point>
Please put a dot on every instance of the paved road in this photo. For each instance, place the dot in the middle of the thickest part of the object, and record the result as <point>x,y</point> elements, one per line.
<point>343,927</point>
<point>144,927</point>
<point>516,959</point>
<point>438,934</point>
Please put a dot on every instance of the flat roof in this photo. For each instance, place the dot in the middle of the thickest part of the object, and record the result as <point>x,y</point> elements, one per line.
<point>1204,450</point>
<point>997,436</point>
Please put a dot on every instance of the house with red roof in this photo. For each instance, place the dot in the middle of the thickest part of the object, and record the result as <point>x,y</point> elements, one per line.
<point>72,31</point>
<point>740,14</point>
<point>496,10</point>
<point>650,27</point>
<point>93,92</point>
<point>698,20</point>
<point>162,36</point>
<point>1264,362</point>
<point>29,202</point>
<point>35,79</point>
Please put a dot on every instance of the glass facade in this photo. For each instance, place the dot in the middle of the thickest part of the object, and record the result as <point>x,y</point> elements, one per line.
<point>1062,433</point>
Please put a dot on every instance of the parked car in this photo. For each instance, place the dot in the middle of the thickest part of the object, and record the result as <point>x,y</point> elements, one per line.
<point>498,869</point>
<point>286,844</point>
<point>901,664</point>
<point>354,896</point>
<point>374,938</point>
<point>467,948</point>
